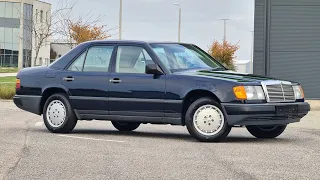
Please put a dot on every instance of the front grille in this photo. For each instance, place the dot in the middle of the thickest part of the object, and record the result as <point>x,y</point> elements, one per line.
<point>279,92</point>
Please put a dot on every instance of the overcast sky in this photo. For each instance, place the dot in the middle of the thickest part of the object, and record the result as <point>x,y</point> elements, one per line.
<point>158,20</point>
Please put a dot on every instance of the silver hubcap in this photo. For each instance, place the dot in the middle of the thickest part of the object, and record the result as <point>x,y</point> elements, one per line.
<point>208,120</point>
<point>56,113</point>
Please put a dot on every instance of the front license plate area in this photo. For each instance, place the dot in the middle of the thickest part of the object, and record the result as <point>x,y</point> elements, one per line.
<point>287,110</point>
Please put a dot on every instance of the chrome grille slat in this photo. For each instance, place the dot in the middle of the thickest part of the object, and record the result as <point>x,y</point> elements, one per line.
<point>278,91</point>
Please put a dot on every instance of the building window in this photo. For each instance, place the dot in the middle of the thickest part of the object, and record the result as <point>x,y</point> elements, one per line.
<point>9,7</point>
<point>1,34</point>
<point>16,10</point>
<point>27,33</point>
<point>41,16</point>
<point>9,10</point>
<point>15,35</point>
<point>9,47</point>
<point>8,35</point>
<point>36,16</point>
<point>47,61</point>
<point>47,18</point>
<point>2,8</point>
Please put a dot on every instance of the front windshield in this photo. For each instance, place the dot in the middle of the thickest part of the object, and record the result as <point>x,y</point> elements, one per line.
<point>177,57</point>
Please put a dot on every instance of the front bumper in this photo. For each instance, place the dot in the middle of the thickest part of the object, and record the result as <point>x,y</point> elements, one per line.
<point>28,103</point>
<point>263,114</point>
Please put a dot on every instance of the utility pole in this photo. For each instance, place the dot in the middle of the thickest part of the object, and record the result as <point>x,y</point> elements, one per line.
<point>120,19</point>
<point>179,25</point>
<point>225,28</point>
<point>252,46</point>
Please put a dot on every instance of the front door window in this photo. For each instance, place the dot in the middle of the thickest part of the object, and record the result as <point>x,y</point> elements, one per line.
<point>132,59</point>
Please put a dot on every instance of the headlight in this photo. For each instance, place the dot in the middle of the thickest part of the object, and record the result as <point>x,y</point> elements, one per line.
<point>249,93</point>
<point>298,92</point>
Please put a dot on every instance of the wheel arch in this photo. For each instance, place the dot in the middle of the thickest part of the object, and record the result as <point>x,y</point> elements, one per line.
<point>47,92</point>
<point>192,96</point>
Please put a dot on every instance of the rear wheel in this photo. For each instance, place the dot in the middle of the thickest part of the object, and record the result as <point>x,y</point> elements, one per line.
<point>125,126</point>
<point>58,115</point>
<point>266,131</point>
<point>205,120</point>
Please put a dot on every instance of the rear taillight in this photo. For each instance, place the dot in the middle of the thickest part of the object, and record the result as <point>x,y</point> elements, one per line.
<point>17,83</point>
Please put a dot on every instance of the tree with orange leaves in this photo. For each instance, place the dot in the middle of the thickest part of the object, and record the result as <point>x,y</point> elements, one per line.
<point>224,53</point>
<point>81,32</point>
<point>76,30</point>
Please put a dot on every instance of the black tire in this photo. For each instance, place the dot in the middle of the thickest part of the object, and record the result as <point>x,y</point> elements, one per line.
<point>220,135</point>
<point>125,126</point>
<point>266,131</point>
<point>70,118</point>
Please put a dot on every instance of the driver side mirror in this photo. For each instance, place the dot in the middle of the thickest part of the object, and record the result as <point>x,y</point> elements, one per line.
<point>153,69</point>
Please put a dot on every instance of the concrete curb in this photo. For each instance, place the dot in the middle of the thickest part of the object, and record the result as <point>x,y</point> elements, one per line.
<point>6,100</point>
<point>8,74</point>
<point>315,104</point>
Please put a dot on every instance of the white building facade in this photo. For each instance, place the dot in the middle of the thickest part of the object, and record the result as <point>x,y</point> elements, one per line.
<point>243,66</point>
<point>18,40</point>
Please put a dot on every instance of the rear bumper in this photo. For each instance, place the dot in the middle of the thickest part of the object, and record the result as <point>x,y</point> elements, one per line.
<point>28,103</point>
<point>263,114</point>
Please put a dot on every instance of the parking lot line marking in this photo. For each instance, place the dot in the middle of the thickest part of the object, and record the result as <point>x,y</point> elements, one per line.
<point>38,124</point>
<point>93,139</point>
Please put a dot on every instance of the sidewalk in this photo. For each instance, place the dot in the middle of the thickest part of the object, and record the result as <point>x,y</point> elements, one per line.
<point>7,74</point>
<point>315,104</point>
<point>310,121</point>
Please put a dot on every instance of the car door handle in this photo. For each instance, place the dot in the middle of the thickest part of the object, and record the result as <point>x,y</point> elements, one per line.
<point>115,80</point>
<point>68,78</point>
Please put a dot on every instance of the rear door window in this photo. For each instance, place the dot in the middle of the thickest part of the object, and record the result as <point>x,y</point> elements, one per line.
<point>78,63</point>
<point>98,59</point>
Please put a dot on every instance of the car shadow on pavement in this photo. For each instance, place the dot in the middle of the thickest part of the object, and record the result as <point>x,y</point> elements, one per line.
<point>174,136</point>
<point>240,139</point>
<point>132,134</point>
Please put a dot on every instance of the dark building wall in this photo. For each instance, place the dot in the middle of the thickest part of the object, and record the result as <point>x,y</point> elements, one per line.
<point>287,42</point>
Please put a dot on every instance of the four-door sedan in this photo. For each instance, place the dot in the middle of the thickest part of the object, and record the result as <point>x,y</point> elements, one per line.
<point>134,82</point>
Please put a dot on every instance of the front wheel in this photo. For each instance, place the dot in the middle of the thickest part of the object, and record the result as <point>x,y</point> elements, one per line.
<point>205,120</point>
<point>266,131</point>
<point>125,126</point>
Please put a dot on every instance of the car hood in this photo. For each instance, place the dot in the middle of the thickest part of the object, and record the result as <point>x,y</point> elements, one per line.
<point>226,75</point>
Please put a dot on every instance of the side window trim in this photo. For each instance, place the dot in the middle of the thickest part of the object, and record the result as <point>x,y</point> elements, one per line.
<point>144,47</point>
<point>76,57</point>
<point>100,45</point>
<point>157,59</point>
<point>85,50</point>
<point>85,57</point>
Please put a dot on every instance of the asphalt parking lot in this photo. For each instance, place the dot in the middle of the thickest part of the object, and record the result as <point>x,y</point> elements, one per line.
<point>95,150</point>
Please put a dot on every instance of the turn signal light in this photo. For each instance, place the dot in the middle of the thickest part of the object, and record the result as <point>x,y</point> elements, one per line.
<point>240,92</point>
<point>17,83</point>
<point>302,92</point>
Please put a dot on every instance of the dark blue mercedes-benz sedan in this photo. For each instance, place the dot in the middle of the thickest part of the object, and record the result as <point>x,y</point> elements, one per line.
<point>134,82</point>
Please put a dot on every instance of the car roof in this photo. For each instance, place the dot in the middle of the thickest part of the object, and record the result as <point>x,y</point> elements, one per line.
<point>132,41</point>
